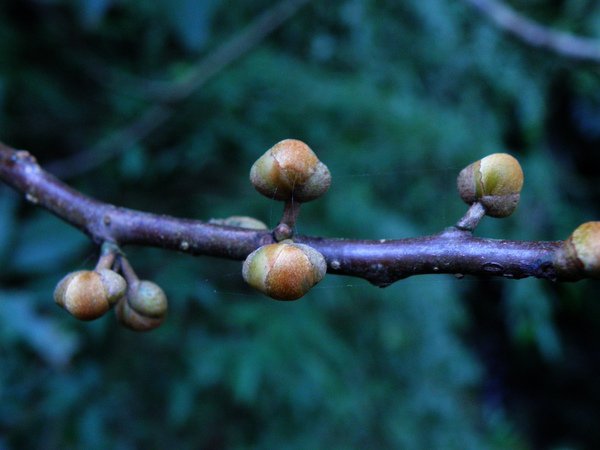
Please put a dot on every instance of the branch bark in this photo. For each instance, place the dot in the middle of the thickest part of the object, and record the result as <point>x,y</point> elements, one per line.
<point>381,262</point>
<point>564,44</point>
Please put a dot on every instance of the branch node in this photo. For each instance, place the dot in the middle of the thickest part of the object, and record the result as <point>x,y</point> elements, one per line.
<point>282,232</point>
<point>108,253</point>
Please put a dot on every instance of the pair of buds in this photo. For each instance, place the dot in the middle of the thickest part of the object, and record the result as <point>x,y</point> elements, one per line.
<point>140,305</point>
<point>289,172</point>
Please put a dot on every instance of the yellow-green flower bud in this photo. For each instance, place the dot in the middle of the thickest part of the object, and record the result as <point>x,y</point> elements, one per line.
<point>290,170</point>
<point>579,256</point>
<point>143,308</point>
<point>284,271</point>
<point>495,181</point>
<point>88,294</point>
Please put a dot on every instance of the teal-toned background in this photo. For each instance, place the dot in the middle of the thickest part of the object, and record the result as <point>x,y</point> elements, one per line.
<point>395,97</point>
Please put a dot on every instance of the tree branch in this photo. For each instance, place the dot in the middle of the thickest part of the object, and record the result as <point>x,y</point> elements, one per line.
<point>536,35</point>
<point>382,262</point>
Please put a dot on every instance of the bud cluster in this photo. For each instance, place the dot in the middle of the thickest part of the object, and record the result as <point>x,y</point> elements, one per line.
<point>88,294</point>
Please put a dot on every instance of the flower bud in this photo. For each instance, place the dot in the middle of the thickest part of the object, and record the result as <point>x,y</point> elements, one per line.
<point>284,271</point>
<point>495,181</point>
<point>579,256</point>
<point>290,170</point>
<point>88,294</point>
<point>143,308</point>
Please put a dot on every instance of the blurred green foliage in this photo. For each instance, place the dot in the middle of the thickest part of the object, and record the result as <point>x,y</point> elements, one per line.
<point>395,97</point>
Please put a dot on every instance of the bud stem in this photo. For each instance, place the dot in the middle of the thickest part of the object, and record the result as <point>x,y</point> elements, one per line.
<point>128,272</point>
<point>108,252</point>
<point>285,229</point>
<point>472,218</point>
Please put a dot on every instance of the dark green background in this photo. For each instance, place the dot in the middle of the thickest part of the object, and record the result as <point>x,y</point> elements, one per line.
<point>395,97</point>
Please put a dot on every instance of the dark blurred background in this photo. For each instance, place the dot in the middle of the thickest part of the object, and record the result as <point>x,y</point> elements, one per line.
<point>128,102</point>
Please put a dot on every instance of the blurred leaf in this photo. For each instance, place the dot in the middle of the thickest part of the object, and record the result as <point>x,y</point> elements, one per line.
<point>44,242</point>
<point>2,95</point>
<point>530,318</point>
<point>8,204</point>
<point>133,162</point>
<point>191,20</point>
<point>93,11</point>
<point>20,322</point>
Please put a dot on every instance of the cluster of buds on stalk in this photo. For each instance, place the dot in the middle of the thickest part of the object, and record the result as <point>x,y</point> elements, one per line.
<point>139,305</point>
